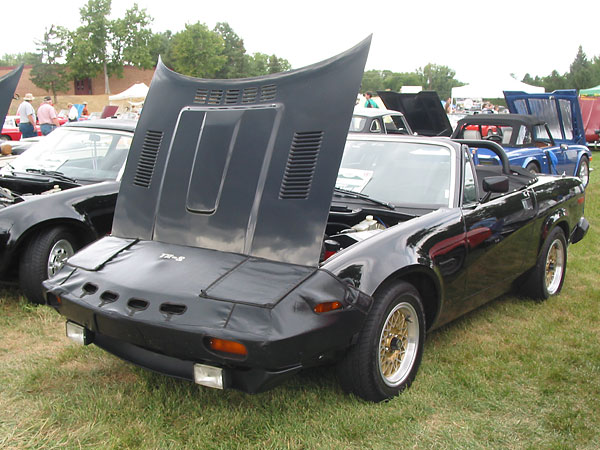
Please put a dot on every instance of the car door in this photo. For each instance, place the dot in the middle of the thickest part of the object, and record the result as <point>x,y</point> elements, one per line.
<point>499,234</point>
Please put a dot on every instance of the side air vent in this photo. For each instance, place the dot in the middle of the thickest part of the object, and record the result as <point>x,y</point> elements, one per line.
<point>267,93</point>
<point>300,166</point>
<point>147,161</point>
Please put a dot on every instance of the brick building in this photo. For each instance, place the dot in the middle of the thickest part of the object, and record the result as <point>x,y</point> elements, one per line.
<point>90,86</point>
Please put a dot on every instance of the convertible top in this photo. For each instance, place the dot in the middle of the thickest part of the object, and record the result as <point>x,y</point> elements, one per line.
<point>246,166</point>
<point>8,84</point>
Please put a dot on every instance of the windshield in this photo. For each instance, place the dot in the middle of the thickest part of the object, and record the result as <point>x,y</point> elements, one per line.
<point>357,123</point>
<point>402,173</point>
<point>79,153</point>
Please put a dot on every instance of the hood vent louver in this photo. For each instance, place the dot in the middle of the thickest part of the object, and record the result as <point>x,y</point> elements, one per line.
<point>300,167</point>
<point>268,93</point>
<point>248,95</point>
<point>147,161</point>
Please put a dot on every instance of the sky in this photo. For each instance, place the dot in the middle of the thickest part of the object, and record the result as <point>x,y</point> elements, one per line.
<point>479,40</point>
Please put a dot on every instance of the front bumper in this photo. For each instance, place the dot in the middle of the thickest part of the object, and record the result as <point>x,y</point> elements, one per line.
<point>580,230</point>
<point>164,324</point>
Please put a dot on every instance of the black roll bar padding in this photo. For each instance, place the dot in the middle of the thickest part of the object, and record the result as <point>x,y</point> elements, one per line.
<point>490,145</point>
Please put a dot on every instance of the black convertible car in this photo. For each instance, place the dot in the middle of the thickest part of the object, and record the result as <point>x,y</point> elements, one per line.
<point>252,238</point>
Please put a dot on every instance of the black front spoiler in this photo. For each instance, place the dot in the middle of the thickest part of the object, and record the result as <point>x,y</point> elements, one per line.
<point>251,380</point>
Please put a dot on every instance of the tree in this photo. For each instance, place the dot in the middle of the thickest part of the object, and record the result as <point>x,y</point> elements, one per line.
<point>160,45</point>
<point>580,75</point>
<point>555,81</point>
<point>236,65</point>
<point>263,64</point>
<point>438,78</point>
<point>49,74</point>
<point>197,51</point>
<point>277,65</point>
<point>104,45</point>
<point>15,59</point>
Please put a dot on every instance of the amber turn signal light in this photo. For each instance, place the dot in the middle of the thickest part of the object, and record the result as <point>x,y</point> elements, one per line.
<point>223,345</point>
<point>326,307</point>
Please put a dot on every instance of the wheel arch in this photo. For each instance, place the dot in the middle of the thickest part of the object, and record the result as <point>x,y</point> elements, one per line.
<point>82,231</point>
<point>558,219</point>
<point>427,284</point>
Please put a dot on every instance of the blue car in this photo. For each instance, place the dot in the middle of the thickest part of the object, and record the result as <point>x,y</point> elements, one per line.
<point>543,134</point>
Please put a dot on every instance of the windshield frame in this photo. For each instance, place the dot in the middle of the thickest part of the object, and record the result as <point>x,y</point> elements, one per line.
<point>452,147</point>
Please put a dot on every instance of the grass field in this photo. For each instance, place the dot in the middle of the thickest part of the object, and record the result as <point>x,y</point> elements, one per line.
<point>513,374</point>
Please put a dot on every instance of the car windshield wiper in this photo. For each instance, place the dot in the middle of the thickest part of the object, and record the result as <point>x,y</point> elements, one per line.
<point>364,197</point>
<point>54,174</point>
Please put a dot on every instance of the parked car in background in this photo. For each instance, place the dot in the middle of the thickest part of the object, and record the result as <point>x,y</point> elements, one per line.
<point>10,130</point>
<point>378,120</point>
<point>253,239</point>
<point>59,196</point>
<point>547,139</point>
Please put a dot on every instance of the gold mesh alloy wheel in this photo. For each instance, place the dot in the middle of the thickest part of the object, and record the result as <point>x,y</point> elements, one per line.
<point>398,344</point>
<point>555,265</point>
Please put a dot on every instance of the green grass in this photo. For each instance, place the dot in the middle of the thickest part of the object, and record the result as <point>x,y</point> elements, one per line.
<point>513,374</point>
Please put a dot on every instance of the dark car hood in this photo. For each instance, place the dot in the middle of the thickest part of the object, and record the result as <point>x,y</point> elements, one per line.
<point>8,84</point>
<point>559,109</point>
<point>246,166</point>
<point>423,111</point>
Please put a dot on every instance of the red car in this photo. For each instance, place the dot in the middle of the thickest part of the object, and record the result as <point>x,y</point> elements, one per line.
<point>10,130</point>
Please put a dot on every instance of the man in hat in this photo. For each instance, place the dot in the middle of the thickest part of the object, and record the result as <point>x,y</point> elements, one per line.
<point>85,111</point>
<point>47,116</point>
<point>26,115</point>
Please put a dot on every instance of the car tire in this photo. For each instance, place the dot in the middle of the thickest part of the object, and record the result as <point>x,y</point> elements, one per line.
<point>394,328</point>
<point>548,275</point>
<point>4,137</point>
<point>532,168</point>
<point>584,171</point>
<point>43,257</point>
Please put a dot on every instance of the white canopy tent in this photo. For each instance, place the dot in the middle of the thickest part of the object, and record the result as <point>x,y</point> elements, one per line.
<point>131,99</point>
<point>493,88</point>
<point>135,92</point>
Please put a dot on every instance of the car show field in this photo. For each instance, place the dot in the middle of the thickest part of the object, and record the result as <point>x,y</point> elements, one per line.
<point>512,374</point>
<point>237,260</point>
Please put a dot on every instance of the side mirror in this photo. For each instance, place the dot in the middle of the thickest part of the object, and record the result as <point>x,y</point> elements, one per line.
<point>564,147</point>
<point>498,184</point>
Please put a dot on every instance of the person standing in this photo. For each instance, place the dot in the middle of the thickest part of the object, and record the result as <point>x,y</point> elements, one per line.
<point>26,115</point>
<point>370,103</point>
<point>47,116</point>
<point>73,114</point>
<point>85,111</point>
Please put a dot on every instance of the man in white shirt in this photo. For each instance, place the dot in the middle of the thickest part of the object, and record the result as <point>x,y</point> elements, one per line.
<point>26,115</point>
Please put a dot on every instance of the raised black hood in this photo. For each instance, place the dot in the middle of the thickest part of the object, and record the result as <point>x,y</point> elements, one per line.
<point>8,84</point>
<point>245,166</point>
<point>423,111</point>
